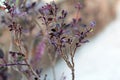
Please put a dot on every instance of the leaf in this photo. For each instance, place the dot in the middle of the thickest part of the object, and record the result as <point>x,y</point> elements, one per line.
<point>1,54</point>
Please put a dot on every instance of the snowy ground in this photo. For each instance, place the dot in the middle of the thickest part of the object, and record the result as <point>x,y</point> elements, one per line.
<point>99,59</point>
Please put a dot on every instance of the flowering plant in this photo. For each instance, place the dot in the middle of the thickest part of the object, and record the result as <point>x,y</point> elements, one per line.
<point>53,32</point>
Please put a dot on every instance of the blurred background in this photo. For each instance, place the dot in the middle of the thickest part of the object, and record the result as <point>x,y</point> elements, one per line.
<point>96,60</point>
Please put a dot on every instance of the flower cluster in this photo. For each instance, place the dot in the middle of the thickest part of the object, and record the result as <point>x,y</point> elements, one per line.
<point>11,9</point>
<point>64,36</point>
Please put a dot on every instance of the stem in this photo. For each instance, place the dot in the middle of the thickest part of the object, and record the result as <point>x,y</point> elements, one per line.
<point>73,74</point>
<point>19,45</point>
<point>2,65</point>
<point>70,65</point>
<point>73,64</point>
<point>72,69</point>
<point>34,73</point>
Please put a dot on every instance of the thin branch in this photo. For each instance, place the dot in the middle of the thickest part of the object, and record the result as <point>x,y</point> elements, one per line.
<point>34,73</point>
<point>14,64</point>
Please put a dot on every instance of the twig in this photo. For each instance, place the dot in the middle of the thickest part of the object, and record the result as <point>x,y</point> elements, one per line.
<point>34,73</point>
<point>2,65</point>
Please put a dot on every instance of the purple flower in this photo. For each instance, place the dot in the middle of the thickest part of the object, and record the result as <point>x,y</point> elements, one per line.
<point>46,9</point>
<point>92,23</point>
<point>64,13</point>
<point>78,6</point>
<point>40,50</point>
